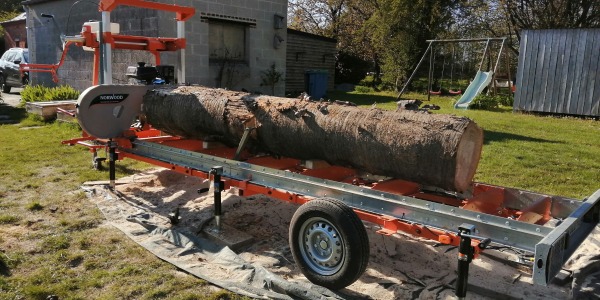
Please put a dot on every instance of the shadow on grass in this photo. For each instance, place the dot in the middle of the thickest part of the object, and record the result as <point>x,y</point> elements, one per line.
<point>120,168</point>
<point>503,109</point>
<point>123,169</point>
<point>15,114</point>
<point>496,136</point>
<point>4,269</point>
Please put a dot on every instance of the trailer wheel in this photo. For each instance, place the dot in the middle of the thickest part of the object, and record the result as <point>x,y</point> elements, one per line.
<point>329,243</point>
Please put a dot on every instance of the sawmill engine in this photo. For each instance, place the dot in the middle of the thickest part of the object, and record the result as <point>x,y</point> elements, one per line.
<point>142,74</point>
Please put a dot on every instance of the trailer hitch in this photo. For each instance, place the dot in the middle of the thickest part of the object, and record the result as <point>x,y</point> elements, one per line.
<point>466,253</point>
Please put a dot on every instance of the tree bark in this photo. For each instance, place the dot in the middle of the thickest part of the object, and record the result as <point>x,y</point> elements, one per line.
<point>430,149</point>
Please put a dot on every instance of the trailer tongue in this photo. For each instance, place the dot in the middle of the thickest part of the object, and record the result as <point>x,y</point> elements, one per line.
<point>327,238</point>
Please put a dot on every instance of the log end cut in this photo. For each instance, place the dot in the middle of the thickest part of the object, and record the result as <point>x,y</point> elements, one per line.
<point>468,155</point>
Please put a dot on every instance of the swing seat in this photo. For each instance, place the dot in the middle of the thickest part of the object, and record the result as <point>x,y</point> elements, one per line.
<point>453,92</point>
<point>435,93</point>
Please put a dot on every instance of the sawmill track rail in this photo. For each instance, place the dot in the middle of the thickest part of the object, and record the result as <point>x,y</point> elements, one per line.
<point>551,245</point>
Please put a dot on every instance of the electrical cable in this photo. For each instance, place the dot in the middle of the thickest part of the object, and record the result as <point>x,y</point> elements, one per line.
<point>97,4</point>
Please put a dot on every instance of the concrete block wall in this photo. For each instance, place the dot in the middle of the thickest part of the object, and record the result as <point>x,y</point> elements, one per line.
<point>261,51</point>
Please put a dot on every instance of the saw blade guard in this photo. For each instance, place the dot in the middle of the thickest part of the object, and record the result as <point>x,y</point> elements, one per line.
<point>107,111</point>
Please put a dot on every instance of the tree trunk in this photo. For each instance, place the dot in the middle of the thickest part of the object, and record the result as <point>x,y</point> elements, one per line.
<point>431,149</point>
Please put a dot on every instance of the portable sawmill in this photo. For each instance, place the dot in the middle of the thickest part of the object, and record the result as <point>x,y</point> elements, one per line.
<point>327,238</point>
<point>343,168</point>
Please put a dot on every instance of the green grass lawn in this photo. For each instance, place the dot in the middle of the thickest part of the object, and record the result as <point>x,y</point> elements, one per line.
<point>54,241</point>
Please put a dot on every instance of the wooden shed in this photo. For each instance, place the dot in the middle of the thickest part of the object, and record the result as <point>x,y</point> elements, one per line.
<point>307,53</point>
<point>559,72</point>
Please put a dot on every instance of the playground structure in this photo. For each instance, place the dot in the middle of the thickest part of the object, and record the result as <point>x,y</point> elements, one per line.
<point>103,36</point>
<point>481,80</point>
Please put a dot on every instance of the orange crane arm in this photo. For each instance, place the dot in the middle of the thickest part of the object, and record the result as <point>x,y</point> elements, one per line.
<point>183,13</point>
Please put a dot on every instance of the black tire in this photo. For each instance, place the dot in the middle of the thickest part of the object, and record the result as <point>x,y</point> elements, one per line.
<point>329,243</point>
<point>5,87</point>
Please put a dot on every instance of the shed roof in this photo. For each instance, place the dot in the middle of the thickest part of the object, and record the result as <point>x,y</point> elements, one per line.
<point>314,36</point>
<point>28,2</point>
<point>21,17</point>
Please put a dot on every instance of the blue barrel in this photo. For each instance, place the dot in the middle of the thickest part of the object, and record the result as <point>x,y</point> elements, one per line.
<point>315,83</point>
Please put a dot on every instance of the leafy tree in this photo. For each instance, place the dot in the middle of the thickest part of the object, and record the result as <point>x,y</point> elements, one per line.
<point>399,30</point>
<point>509,17</point>
<point>390,34</point>
<point>10,6</point>
<point>322,17</point>
<point>545,14</point>
<point>5,16</point>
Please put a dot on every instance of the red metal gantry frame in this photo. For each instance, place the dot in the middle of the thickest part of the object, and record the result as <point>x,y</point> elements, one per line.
<point>87,38</point>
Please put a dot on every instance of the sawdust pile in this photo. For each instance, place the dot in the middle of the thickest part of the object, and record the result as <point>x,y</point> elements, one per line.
<point>400,267</point>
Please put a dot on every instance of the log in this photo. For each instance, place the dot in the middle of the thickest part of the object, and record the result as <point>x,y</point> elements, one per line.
<point>430,149</point>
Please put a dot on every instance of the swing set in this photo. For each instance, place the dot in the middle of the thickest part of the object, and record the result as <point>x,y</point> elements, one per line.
<point>476,86</point>
<point>456,91</point>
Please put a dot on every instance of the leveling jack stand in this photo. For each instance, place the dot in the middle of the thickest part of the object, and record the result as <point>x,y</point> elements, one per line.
<point>218,188</point>
<point>466,253</point>
<point>112,158</point>
<point>222,233</point>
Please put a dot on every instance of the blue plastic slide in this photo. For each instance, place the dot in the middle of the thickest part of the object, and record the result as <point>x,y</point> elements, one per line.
<point>481,80</point>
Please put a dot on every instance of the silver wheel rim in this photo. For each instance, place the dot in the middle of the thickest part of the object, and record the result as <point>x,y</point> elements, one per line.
<point>321,246</point>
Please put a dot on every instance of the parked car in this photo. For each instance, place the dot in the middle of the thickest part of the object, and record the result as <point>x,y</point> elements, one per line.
<point>10,75</point>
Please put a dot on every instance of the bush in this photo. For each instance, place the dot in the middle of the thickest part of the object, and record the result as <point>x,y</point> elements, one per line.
<point>483,102</point>
<point>491,102</point>
<point>506,100</point>
<point>63,92</point>
<point>350,68</point>
<point>33,93</point>
<point>40,93</point>
<point>367,81</point>
<point>363,89</point>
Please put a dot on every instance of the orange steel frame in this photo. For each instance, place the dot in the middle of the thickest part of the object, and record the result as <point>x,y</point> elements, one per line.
<point>389,225</point>
<point>87,38</point>
<point>486,198</point>
<point>47,68</point>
